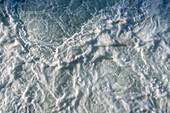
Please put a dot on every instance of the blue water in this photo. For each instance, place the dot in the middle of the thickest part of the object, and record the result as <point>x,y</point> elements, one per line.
<point>84,56</point>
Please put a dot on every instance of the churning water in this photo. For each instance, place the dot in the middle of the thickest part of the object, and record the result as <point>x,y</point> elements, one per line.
<point>84,56</point>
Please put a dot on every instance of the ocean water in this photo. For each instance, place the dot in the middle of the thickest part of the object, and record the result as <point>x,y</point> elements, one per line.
<point>84,56</point>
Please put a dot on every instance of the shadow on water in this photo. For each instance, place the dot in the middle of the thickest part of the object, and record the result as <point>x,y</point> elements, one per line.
<point>1,1</point>
<point>20,0</point>
<point>18,71</point>
<point>4,17</point>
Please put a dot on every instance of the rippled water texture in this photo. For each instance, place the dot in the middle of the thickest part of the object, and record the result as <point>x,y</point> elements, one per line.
<point>84,56</point>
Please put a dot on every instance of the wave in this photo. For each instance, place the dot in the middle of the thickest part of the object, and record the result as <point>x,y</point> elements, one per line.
<point>84,56</point>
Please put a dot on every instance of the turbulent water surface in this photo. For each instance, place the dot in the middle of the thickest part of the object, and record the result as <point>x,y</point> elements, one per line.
<point>84,56</point>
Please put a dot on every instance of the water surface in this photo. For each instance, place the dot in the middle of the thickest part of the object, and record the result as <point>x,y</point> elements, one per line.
<point>84,56</point>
